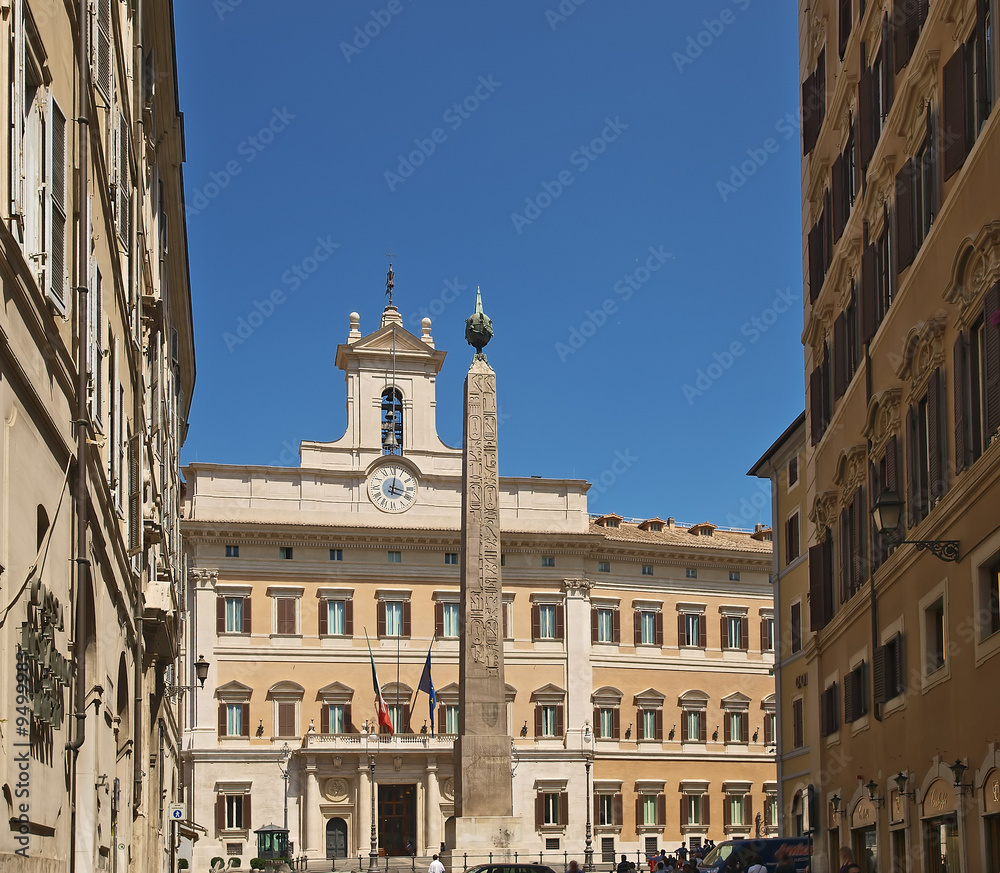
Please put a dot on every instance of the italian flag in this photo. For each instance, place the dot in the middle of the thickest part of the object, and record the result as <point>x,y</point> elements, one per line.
<point>380,708</point>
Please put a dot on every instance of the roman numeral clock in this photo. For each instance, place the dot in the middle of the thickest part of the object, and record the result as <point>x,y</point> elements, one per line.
<point>391,487</point>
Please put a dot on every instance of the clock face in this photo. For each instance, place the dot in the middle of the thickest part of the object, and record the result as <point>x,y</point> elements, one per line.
<point>392,488</point>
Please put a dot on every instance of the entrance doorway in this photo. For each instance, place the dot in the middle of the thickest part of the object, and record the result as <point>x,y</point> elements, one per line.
<point>336,839</point>
<point>865,844</point>
<point>397,818</point>
<point>941,844</point>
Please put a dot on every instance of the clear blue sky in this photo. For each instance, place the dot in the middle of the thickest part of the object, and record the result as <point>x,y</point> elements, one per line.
<point>579,167</point>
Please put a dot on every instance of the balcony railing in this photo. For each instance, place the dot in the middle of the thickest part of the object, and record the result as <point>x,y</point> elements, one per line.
<point>386,742</point>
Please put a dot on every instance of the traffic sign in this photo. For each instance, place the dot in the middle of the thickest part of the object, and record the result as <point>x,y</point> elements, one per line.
<point>177,811</point>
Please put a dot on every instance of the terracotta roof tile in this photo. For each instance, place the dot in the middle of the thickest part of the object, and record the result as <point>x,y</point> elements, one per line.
<point>679,536</point>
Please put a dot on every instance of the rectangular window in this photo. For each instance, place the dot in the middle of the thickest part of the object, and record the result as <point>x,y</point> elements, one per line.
<point>829,710</point>
<point>989,599</point>
<point>393,618</point>
<point>549,721</point>
<point>606,809</point>
<point>232,551</point>
<point>234,719</point>
<point>647,569</point>
<point>548,561</point>
<point>735,638</point>
<point>649,724</point>
<point>451,557</point>
<point>648,629</point>
<point>793,471</point>
<point>395,557</point>
<point>551,806</point>
<point>692,630</point>
<point>734,575</point>
<point>286,719</point>
<point>547,621</point>
<point>285,553</point>
<point>887,670</point>
<point>854,524</point>
<point>396,717</point>
<point>285,613</point>
<point>603,567</point>
<point>335,716</point>
<point>934,636</point>
<point>771,811</point>
<point>336,554</point>
<point>820,396</point>
<point>607,724</point>
<point>605,626</point>
<point>691,573</point>
<point>798,728</point>
<point>234,812</point>
<point>693,804</point>
<point>336,617</point>
<point>856,693</point>
<point>736,810</point>
<point>736,727</point>
<point>795,628</point>
<point>767,634</point>
<point>234,615</point>
<point>451,720</point>
<point>450,619</point>
<point>792,538</point>
<point>693,726</point>
<point>649,809</point>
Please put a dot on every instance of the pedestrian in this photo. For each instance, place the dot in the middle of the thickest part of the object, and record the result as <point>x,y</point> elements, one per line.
<point>785,864</point>
<point>846,859</point>
<point>756,865</point>
<point>573,867</point>
<point>435,866</point>
<point>626,866</point>
<point>682,853</point>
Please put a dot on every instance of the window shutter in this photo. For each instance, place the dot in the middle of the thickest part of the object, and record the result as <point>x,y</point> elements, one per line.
<point>886,53</point>
<point>763,635</point>
<point>220,812</point>
<point>596,812</point>
<point>102,59</point>
<point>963,441</point>
<point>324,624</point>
<point>748,808</point>
<point>560,622</point>
<point>406,618</point>
<point>616,723</point>
<point>220,614</point>
<point>638,811</point>
<point>123,191</point>
<point>616,625</point>
<point>816,416</point>
<point>824,716</point>
<point>937,441</point>
<point>640,725</point>
<point>912,443</point>
<point>954,110</point>
<point>559,721</point>
<point>902,28</point>
<point>846,586</point>
<point>439,619</point>
<point>982,95</point>
<point>539,811</point>
<point>899,662</point>
<point>892,463</point>
<point>222,720</point>
<point>381,618</point>
<point>840,356</point>
<point>702,631</point>
<point>637,626</point>
<point>724,631</point>
<point>991,366</point>
<point>659,724</point>
<point>503,613</point>
<point>706,809</point>
<point>859,523</point>
<point>727,810</point>
<point>684,811</point>
<point>768,737</point>
<point>684,726</point>
<point>18,110</point>
<point>815,242</point>
<point>56,276</point>
<point>810,115</point>
<point>850,690</point>
<point>866,115</point>
<point>536,621</point>
<point>247,616</point>
<point>538,721</point>
<point>597,724</point>
<point>247,816</point>
<point>324,719</point>
<point>563,808</point>
<point>745,633</point>
<point>619,812</point>
<point>869,293</point>
<point>681,619</point>
<point>838,188</point>
<point>702,727</point>
<point>905,230</point>
<point>658,622</point>
<point>442,719</point>
<point>817,583</point>
<point>245,720</point>
<point>349,618</point>
<point>594,619</point>
<point>661,810</point>
<point>727,727</point>
<point>348,719</point>
<point>286,719</point>
<point>134,494</point>
<point>405,727</point>
<point>844,29</point>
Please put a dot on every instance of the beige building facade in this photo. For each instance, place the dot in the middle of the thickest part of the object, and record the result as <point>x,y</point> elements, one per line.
<point>96,376</point>
<point>902,357</point>
<point>637,653</point>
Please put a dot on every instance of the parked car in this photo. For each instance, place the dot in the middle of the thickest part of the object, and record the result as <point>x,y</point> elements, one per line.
<point>797,849</point>
<point>510,868</point>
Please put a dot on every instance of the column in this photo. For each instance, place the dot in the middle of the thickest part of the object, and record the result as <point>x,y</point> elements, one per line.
<point>432,809</point>
<point>363,809</point>
<point>310,808</point>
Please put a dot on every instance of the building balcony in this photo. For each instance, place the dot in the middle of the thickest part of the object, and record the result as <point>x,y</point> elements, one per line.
<point>159,619</point>
<point>358,743</point>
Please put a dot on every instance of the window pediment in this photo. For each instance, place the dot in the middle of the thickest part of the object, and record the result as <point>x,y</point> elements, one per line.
<point>548,694</point>
<point>649,698</point>
<point>693,699</point>
<point>335,692</point>
<point>234,691</point>
<point>607,696</point>
<point>285,689</point>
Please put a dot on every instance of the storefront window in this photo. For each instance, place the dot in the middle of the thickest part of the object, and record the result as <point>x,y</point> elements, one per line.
<point>941,844</point>
<point>865,845</point>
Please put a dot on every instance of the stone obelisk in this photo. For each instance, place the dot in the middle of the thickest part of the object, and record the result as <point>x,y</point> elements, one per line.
<point>483,793</point>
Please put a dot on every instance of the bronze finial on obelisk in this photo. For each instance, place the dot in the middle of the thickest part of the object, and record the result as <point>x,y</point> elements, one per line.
<point>483,790</point>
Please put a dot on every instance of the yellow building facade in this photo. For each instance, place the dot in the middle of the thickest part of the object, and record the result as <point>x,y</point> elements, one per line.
<point>902,358</point>
<point>637,653</point>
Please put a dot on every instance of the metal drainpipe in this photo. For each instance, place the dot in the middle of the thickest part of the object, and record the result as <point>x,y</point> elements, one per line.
<point>137,726</point>
<point>82,421</point>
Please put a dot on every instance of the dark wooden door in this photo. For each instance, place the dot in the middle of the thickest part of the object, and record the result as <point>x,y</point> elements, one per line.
<point>397,818</point>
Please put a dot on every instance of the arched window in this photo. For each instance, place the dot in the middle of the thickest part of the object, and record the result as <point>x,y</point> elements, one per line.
<point>392,422</point>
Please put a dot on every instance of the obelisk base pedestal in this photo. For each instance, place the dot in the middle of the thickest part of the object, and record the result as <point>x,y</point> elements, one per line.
<point>469,840</point>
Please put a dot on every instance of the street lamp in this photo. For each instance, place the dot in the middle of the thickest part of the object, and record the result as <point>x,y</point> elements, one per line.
<point>371,744</point>
<point>286,753</point>
<point>588,751</point>
<point>201,671</point>
<point>886,512</point>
